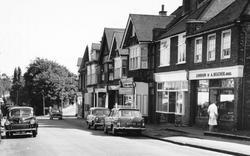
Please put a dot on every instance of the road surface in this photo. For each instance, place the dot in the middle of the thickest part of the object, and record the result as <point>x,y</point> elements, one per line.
<point>70,137</point>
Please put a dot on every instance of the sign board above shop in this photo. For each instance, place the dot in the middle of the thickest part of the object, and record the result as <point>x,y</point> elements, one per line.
<point>126,91</point>
<point>216,73</point>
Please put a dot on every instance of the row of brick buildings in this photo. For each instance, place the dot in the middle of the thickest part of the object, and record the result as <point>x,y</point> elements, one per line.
<point>172,67</point>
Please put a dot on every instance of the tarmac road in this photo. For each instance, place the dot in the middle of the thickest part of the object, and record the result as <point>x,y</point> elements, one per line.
<point>70,137</point>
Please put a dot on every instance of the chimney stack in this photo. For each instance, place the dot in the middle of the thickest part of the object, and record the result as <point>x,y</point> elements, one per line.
<point>162,12</point>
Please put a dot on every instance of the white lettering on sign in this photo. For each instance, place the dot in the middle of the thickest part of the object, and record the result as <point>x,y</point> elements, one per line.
<point>214,74</point>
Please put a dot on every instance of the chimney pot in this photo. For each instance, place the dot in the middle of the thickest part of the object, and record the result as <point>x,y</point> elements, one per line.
<point>162,12</point>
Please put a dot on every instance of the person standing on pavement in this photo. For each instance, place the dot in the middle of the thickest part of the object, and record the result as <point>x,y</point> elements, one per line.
<point>213,115</point>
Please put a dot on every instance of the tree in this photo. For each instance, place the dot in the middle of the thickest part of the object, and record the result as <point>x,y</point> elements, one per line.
<point>5,84</point>
<point>50,81</point>
<point>17,87</point>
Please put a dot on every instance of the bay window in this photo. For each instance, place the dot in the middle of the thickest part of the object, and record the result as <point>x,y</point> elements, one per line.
<point>138,57</point>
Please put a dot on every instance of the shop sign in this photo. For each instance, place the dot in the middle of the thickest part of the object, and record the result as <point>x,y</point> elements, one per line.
<point>126,91</point>
<point>217,73</point>
<point>113,87</point>
<point>127,82</point>
<point>101,89</point>
<point>90,90</point>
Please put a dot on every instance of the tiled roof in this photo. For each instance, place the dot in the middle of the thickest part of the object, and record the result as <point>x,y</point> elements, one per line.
<point>118,37</point>
<point>178,25</point>
<point>227,16</point>
<point>109,34</point>
<point>79,61</point>
<point>144,25</point>
<point>85,58</point>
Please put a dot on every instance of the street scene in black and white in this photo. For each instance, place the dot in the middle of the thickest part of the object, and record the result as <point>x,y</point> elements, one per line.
<point>124,78</point>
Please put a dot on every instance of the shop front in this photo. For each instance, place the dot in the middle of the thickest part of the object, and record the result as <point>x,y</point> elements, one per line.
<point>221,85</point>
<point>101,97</point>
<point>171,97</point>
<point>113,95</point>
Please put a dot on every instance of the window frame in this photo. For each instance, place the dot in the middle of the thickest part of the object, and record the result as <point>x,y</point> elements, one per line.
<point>211,35</point>
<point>166,53</point>
<point>222,44</point>
<point>181,48</point>
<point>195,49</point>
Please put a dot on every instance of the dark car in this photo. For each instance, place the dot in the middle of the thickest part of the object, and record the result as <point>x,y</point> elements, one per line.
<point>96,116</point>
<point>124,120</point>
<point>20,120</point>
<point>55,113</point>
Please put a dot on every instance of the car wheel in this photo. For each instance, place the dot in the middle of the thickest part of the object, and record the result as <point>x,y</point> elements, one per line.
<point>88,125</point>
<point>34,133</point>
<point>105,129</point>
<point>7,135</point>
<point>114,131</point>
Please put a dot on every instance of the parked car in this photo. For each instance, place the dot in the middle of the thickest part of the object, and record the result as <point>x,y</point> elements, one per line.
<point>20,120</point>
<point>55,113</point>
<point>96,116</point>
<point>124,120</point>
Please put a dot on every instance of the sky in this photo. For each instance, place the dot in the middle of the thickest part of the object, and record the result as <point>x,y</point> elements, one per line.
<point>59,30</point>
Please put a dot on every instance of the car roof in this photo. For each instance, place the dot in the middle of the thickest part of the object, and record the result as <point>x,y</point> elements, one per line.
<point>20,107</point>
<point>93,108</point>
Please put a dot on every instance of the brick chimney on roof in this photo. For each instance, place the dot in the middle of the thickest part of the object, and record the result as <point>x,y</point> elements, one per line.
<point>162,12</point>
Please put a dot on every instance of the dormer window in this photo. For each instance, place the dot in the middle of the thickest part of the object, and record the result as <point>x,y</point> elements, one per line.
<point>226,44</point>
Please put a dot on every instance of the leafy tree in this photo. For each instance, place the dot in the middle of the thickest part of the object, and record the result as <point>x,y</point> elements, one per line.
<point>50,81</point>
<point>5,84</point>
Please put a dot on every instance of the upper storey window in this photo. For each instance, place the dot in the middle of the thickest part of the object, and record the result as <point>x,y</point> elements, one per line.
<point>226,44</point>
<point>138,57</point>
<point>165,52</point>
<point>198,50</point>
<point>181,48</point>
<point>211,44</point>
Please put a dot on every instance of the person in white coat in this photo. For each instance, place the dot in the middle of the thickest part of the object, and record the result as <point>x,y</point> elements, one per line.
<point>213,115</point>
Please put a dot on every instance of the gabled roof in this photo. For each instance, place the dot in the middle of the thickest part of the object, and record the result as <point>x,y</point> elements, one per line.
<point>85,58</point>
<point>117,38</point>
<point>144,25</point>
<point>107,38</point>
<point>227,16</point>
<point>108,32</point>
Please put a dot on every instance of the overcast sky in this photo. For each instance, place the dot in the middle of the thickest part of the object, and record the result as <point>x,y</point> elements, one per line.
<point>59,30</point>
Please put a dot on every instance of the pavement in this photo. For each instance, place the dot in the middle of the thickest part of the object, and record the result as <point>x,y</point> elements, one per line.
<point>234,143</point>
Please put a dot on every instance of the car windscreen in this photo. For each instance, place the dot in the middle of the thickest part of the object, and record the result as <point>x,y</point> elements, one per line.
<point>99,112</point>
<point>129,113</point>
<point>23,112</point>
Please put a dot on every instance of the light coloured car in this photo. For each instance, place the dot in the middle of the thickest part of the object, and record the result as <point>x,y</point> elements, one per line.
<point>96,116</point>
<point>124,120</point>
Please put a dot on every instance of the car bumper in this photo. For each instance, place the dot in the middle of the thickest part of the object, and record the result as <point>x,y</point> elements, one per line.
<point>21,130</point>
<point>129,128</point>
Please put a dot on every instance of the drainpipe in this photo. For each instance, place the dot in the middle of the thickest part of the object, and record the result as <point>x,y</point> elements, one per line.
<point>243,78</point>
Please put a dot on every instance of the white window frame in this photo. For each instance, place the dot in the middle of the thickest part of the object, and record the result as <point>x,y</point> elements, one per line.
<point>196,52</point>
<point>181,48</point>
<point>134,57</point>
<point>117,68</point>
<point>209,49</point>
<point>223,49</point>
<point>165,52</point>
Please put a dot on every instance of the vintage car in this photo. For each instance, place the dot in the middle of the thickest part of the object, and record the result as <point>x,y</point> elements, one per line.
<point>55,113</point>
<point>96,116</point>
<point>124,120</point>
<point>20,120</point>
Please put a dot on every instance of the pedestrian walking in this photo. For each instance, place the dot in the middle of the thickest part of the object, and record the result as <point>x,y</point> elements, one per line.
<point>213,115</point>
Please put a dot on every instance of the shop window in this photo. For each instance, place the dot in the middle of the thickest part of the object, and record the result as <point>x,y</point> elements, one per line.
<point>211,43</point>
<point>198,50</point>
<point>226,44</point>
<point>179,109</point>
<point>203,98</point>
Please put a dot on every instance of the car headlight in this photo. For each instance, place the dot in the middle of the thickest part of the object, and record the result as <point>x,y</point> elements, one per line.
<point>142,123</point>
<point>7,122</point>
<point>32,121</point>
<point>96,119</point>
